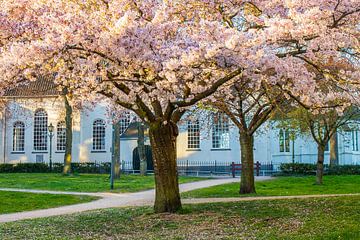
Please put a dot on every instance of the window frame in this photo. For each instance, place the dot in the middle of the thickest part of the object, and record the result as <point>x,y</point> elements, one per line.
<point>220,137</point>
<point>284,141</point>
<point>355,140</point>
<point>61,136</point>
<point>98,141</point>
<point>40,132</point>
<point>18,142</point>
<point>193,135</point>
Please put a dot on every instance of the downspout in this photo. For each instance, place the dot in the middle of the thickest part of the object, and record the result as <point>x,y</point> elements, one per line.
<point>4,135</point>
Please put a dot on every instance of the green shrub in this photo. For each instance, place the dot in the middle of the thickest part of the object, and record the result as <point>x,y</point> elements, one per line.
<point>24,168</point>
<point>298,168</point>
<point>310,169</point>
<point>89,167</point>
<point>344,170</point>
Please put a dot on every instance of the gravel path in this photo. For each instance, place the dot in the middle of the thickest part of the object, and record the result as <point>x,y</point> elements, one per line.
<point>108,200</point>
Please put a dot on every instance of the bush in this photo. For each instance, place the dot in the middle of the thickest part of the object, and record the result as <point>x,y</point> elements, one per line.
<point>24,168</point>
<point>298,168</point>
<point>89,167</point>
<point>344,170</point>
<point>310,169</point>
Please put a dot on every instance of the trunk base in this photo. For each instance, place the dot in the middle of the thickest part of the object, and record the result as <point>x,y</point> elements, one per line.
<point>247,182</point>
<point>163,143</point>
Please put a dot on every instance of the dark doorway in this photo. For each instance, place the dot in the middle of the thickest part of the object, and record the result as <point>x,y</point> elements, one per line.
<point>149,159</point>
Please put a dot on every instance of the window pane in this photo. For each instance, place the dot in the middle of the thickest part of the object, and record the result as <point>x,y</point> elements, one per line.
<point>99,135</point>
<point>287,141</point>
<point>220,132</point>
<point>61,136</point>
<point>40,130</point>
<point>124,123</point>
<point>281,140</point>
<point>193,134</point>
<point>19,137</point>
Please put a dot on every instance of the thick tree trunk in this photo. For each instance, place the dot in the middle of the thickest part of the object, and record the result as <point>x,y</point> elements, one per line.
<point>117,166</point>
<point>320,164</point>
<point>163,143</point>
<point>141,149</point>
<point>247,184</point>
<point>334,154</point>
<point>68,140</point>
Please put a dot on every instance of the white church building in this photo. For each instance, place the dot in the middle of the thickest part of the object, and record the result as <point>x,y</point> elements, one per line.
<point>30,109</point>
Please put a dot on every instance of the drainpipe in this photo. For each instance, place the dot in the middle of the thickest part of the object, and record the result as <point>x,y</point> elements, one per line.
<point>4,135</point>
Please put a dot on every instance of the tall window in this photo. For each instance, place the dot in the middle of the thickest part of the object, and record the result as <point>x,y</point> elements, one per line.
<point>124,123</point>
<point>193,134</point>
<point>19,137</point>
<point>40,130</point>
<point>355,140</point>
<point>284,140</point>
<point>60,136</point>
<point>220,132</point>
<point>99,135</point>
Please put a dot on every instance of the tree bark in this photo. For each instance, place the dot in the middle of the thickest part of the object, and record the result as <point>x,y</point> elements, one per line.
<point>141,149</point>
<point>247,184</point>
<point>163,143</point>
<point>334,154</point>
<point>117,166</point>
<point>68,140</point>
<point>320,164</point>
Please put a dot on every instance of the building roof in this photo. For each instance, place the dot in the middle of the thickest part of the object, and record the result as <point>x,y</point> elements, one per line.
<point>43,86</point>
<point>132,131</point>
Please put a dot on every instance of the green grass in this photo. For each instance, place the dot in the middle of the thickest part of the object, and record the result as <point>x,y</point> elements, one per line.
<point>325,218</point>
<point>283,186</point>
<point>80,183</point>
<point>11,202</point>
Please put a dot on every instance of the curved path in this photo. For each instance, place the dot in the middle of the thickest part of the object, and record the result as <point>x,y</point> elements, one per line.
<point>108,200</point>
<point>144,198</point>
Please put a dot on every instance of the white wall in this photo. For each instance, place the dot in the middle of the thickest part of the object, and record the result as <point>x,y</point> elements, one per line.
<point>266,144</point>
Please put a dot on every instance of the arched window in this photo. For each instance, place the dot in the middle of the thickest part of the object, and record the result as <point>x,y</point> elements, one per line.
<point>220,132</point>
<point>40,130</point>
<point>284,141</point>
<point>99,135</point>
<point>19,137</point>
<point>193,134</point>
<point>60,136</point>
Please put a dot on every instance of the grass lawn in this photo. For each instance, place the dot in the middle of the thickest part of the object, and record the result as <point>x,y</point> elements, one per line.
<point>326,218</point>
<point>282,186</point>
<point>18,201</point>
<point>80,183</point>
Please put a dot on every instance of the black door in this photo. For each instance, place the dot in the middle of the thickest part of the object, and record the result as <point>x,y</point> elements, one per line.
<point>149,160</point>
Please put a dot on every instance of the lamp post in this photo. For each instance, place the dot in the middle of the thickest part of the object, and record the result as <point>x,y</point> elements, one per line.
<point>51,134</point>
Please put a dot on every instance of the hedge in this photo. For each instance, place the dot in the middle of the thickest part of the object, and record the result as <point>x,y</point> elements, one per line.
<point>57,167</point>
<point>310,169</point>
<point>24,168</point>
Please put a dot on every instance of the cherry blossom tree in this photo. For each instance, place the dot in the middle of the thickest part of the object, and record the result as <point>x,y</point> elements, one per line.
<point>158,58</point>
<point>311,57</point>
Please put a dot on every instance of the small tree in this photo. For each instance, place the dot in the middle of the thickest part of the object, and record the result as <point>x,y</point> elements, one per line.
<point>321,125</point>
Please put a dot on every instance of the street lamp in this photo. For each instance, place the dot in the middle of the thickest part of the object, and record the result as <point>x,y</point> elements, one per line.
<point>51,134</point>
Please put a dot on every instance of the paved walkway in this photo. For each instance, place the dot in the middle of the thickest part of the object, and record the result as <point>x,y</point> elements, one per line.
<point>144,198</point>
<point>108,200</point>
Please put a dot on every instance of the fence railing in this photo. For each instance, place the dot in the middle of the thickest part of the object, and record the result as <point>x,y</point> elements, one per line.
<point>186,167</point>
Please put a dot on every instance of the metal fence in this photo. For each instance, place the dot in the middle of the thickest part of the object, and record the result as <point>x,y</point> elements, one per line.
<point>207,168</point>
<point>198,168</point>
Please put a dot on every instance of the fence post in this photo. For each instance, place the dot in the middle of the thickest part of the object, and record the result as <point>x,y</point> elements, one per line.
<point>257,168</point>
<point>233,169</point>
<point>187,167</point>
